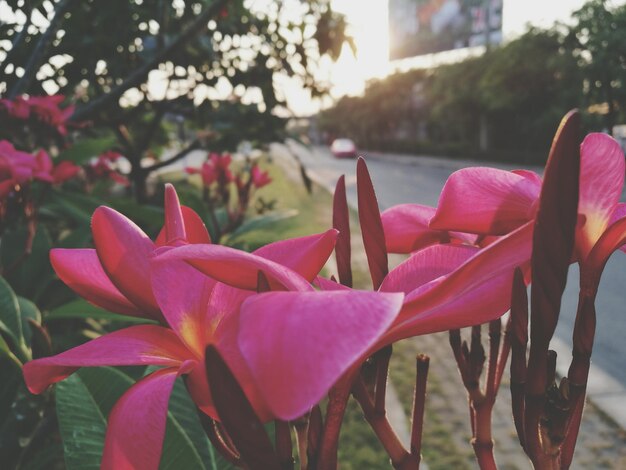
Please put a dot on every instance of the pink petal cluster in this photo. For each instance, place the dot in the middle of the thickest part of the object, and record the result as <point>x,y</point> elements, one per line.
<point>45,109</point>
<point>285,347</point>
<point>215,169</point>
<point>103,167</point>
<point>259,177</point>
<point>18,168</point>
<point>491,202</point>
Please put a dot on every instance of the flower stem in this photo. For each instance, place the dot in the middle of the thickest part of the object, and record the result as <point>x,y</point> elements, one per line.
<point>419,403</point>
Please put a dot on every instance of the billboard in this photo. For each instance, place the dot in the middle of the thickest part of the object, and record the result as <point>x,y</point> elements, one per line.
<point>419,27</point>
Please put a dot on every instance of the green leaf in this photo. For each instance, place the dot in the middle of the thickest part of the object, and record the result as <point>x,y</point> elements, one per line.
<point>10,318</point>
<point>50,456</point>
<point>10,379</point>
<point>81,309</point>
<point>83,150</point>
<point>77,207</point>
<point>143,215</point>
<point>82,424</point>
<point>28,310</point>
<point>261,222</point>
<point>31,273</point>
<point>84,399</point>
<point>183,410</point>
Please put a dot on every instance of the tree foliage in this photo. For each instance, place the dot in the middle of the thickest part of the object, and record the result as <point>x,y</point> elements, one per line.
<point>598,40</point>
<point>501,104</point>
<point>130,63</point>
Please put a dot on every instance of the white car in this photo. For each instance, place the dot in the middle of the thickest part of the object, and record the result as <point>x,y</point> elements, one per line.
<point>343,148</point>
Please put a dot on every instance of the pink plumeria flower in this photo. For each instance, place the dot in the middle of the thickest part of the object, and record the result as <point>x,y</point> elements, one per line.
<point>16,168</point>
<point>46,109</point>
<point>446,285</point>
<point>115,275</point>
<point>488,201</point>
<point>64,171</point>
<point>206,171</point>
<point>322,334</point>
<point>259,177</point>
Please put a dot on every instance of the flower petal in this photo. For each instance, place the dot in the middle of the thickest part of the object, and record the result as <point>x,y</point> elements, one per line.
<point>619,213</point>
<point>81,271</point>
<point>305,255</point>
<point>136,429</point>
<point>174,223</point>
<point>591,269</point>
<point>309,340</point>
<point>183,293</point>
<point>195,229</point>
<point>486,301</point>
<point>486,201</point>
<point>124,251</point>
<point>406,228</point>
<point>426,265</point>
<point>137,345</point>
<point>237,268</point>
<point>601,181</point>
<point>491,263</point>
<point>328,284</point>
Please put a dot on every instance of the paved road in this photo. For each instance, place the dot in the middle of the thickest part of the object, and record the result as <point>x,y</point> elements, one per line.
<point>400,179</point>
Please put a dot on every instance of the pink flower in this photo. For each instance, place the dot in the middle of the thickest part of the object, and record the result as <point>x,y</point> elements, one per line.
<point>43,168</point>
<point>17,108</point>
<point>47,110</point>
<point>493,202</point>
<point>64,171</point>
<point>317,333</point>
<point>207,172</point>
<point>16,168</point>
<point>215,169</point>
<point>103,167</point>
<point>259,178</point>
<point>446,286</point>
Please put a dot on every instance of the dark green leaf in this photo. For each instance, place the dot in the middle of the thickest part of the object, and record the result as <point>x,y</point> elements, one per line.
<point>30,274</point>
<point>10,319</point>
<point>84,150</point>
<point>28,310</point>
<point>10,380</point>
<point>261,222</point>
<point>82,424</point>
<point>85,429</point>
<point>143,215</point>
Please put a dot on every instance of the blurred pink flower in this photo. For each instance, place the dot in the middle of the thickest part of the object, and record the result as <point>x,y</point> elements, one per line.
<point>259,178</point>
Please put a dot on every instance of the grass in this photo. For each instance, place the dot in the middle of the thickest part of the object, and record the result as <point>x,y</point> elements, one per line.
<point>439,450</point>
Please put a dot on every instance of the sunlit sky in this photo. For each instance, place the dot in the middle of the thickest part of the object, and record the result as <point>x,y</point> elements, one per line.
<point>368,21</point>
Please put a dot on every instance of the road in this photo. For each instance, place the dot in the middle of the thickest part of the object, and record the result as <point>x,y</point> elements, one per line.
<point>400,179</point>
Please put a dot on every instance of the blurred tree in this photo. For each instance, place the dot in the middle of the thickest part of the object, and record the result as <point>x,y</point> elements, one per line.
<point>524,89</point>
<point>130,63</point>
<point>513,96</point>
<point>598,40</point>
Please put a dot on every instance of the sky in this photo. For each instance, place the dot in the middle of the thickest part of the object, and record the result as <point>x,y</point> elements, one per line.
<point>368,21</point>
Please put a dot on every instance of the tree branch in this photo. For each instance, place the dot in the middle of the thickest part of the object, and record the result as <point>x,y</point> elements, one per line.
<point>183,153</point>
<point>34,62</point>
<point>141,73</point>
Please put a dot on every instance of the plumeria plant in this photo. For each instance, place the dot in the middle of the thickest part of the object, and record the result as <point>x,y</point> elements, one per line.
<point>268,345</point>
<point>219,176</point>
